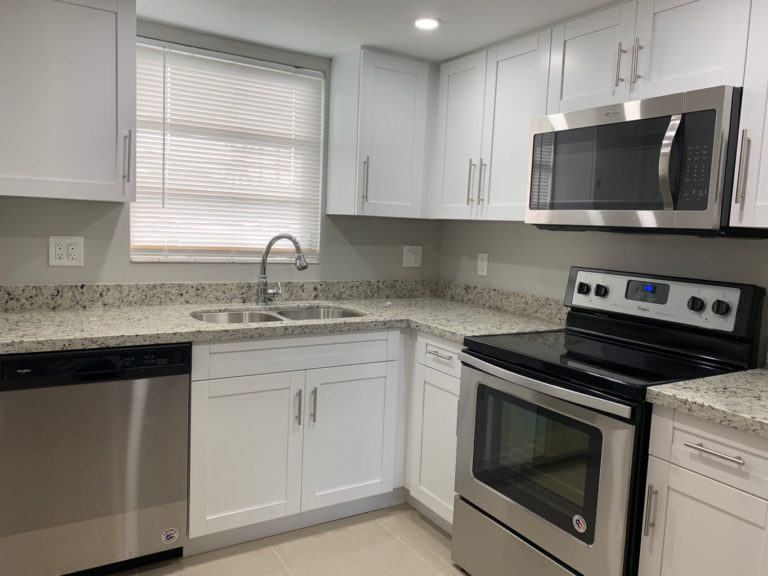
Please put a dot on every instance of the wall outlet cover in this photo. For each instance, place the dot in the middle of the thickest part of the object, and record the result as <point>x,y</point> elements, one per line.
<point>411,256</point>
<point>482,264</point>
<point>66,251</point>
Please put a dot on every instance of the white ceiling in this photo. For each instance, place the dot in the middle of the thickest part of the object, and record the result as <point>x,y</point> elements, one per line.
<point>329,27</point>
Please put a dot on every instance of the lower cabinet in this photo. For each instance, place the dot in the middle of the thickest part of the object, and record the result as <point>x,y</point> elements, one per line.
<point>264,446</point>
<point>434,409</point>
<point>697,522</point>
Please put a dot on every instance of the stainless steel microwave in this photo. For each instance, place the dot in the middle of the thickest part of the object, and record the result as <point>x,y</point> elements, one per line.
<point>660,163</point>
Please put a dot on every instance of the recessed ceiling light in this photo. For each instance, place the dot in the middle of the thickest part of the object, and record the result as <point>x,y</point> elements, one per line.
<point>426,23</point>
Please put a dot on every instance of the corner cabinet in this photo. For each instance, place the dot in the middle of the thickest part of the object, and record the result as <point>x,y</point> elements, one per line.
<point>705,513</point>
<point>377,137</point>
<point>68,101</point>
<point>486,103</point>
<point>647,48</point>
<point>282,426</point>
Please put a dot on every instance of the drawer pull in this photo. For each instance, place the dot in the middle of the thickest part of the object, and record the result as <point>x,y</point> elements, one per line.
<point>441,356</point>
<point>701,448</point>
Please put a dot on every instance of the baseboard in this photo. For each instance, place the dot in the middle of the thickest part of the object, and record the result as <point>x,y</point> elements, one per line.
<point>294,522</point>
<point>436,519</point>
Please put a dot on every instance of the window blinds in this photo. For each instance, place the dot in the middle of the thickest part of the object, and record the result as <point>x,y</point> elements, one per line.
<point>228,154</point>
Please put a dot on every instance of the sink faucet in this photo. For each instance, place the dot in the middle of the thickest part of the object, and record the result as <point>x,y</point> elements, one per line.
<point>264,294</point>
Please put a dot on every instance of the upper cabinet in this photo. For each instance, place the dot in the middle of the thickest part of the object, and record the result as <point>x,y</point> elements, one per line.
<point>487,101</point>
<point>68,101</point>
<point>378,119</point>
<point>647,48</point>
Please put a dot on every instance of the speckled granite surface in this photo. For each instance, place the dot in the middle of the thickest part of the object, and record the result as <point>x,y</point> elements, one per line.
<point>46,330</point>
<point>738,400</point>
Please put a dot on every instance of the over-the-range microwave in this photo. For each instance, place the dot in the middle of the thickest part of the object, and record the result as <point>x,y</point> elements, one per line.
<point>659,164</point>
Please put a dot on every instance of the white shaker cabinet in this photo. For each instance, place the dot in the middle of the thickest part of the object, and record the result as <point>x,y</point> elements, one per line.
<point>591,60</point>
<point>377,139</point>
<point>68,99</point>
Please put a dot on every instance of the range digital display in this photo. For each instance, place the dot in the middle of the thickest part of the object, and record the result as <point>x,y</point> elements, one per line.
<point>650,292</point>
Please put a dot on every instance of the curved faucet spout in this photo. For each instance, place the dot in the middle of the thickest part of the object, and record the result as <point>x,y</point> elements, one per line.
<point>263,293</point>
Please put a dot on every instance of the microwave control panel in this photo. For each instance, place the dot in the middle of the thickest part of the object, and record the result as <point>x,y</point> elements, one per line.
<point>698,133</point>
<point>702,305</point>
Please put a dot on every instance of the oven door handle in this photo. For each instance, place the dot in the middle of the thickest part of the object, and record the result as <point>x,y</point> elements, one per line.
<point>578,398</point>
<point>665,157</point>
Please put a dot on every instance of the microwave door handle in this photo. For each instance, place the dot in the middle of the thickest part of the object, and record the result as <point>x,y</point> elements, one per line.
<point>664,160</point>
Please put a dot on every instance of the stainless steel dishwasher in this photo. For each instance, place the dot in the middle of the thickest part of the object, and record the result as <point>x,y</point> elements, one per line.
<point>93,457</point>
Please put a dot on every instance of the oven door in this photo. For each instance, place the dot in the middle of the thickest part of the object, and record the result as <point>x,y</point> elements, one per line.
<point>548,463</point>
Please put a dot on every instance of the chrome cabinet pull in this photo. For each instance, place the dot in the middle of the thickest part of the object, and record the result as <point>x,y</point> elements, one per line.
<point>633,77</point>
<point>664,159</point>
<point>480,198</point>
<point>701,448</point>
<point>314,405</point>
<point>469,182</point>
<point>299,409</point>
<point>127,147</point>
<point>650,497</point>
<point>618,65</point>
<point>439,355</point>
<point>366,172</point>
<point>746,145</point>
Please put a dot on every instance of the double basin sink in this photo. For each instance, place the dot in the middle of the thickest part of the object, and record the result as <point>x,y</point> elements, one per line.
<point>245,316</point>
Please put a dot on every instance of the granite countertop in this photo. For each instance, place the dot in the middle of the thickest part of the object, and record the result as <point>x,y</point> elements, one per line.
<point>738,400</point>
<point>41,330</point>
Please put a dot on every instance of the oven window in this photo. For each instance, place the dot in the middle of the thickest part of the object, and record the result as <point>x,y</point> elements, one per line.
<point>541,459</point>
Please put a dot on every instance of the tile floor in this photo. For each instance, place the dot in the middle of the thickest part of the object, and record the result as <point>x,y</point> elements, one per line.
<point>391,542</point>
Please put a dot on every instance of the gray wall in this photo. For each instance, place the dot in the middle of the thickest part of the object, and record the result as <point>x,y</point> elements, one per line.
<point>525,259</point>
<point>351,248</point>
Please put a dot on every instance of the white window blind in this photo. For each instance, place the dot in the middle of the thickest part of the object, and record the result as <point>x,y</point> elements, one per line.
<point>228,154</point>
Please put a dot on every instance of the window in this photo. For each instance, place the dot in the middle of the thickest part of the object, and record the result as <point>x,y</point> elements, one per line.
<point>228,154</point>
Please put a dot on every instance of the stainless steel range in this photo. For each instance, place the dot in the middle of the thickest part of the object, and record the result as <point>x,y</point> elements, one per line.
<point>553,426</point>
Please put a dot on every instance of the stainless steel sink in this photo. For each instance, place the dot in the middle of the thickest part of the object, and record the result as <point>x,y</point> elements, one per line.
<point>317,313</point>
<point>236,316</point>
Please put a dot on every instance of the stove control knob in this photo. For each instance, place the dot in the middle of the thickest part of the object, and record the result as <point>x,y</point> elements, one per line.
<point>696,304</point>
<point>583,288</point>
<point>601,291</point>
<point>721,307</point>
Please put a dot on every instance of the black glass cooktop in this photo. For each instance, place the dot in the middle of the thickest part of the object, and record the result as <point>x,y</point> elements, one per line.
<point>576,360</point>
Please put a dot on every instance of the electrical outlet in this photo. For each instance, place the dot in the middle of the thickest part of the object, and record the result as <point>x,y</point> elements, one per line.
<point>66,251</point>
<point>482,264</point>
<point>411,256</point>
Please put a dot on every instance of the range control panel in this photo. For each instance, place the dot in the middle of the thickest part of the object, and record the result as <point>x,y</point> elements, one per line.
<point>701,305</point>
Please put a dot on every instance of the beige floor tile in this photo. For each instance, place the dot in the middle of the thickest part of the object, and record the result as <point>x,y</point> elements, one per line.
<point>418,570</point>
<point>245,560</point>
<point>358,546</point>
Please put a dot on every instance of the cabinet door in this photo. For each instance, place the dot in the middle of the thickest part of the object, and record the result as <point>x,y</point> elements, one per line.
<point>393,113</point>
<point>459,137</point>
<point>349,435</point>
<point>688,45</point>
<point>435,403</point>
<point>515,93</point>
<point>654,517</point>
<point>245,451</point>
<point>710,529</point>
<point>591,60</point>
<point>749,202</point>
<point>67,105</point>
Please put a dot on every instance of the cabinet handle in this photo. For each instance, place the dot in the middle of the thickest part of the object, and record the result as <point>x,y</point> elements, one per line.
<point>635,57</point>
<point>469,182</point>
<point>441,356</point>
<point>314,405</point>
<point>480,198</point>
<point>650,499</point>
<point>366,172</point>
<point>127,147</point>
<point>746,145</point>
<point>299,409</point>
<point>618,65</point>
<point>701,448</point>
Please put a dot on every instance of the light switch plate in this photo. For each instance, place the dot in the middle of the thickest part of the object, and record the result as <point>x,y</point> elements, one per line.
<point>482,264</point>
<point>66,251</point>
<point>411,256</point>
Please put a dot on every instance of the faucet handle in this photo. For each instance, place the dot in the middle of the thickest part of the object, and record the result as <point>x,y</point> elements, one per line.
<point>274,292</point>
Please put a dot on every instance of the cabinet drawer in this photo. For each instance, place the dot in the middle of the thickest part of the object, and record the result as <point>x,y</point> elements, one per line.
<point>439,354</point>
<point>718,453</point>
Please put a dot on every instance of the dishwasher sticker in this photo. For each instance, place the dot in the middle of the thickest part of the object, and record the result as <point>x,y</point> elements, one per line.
<point>580,524</point>
<point>170,535</point>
